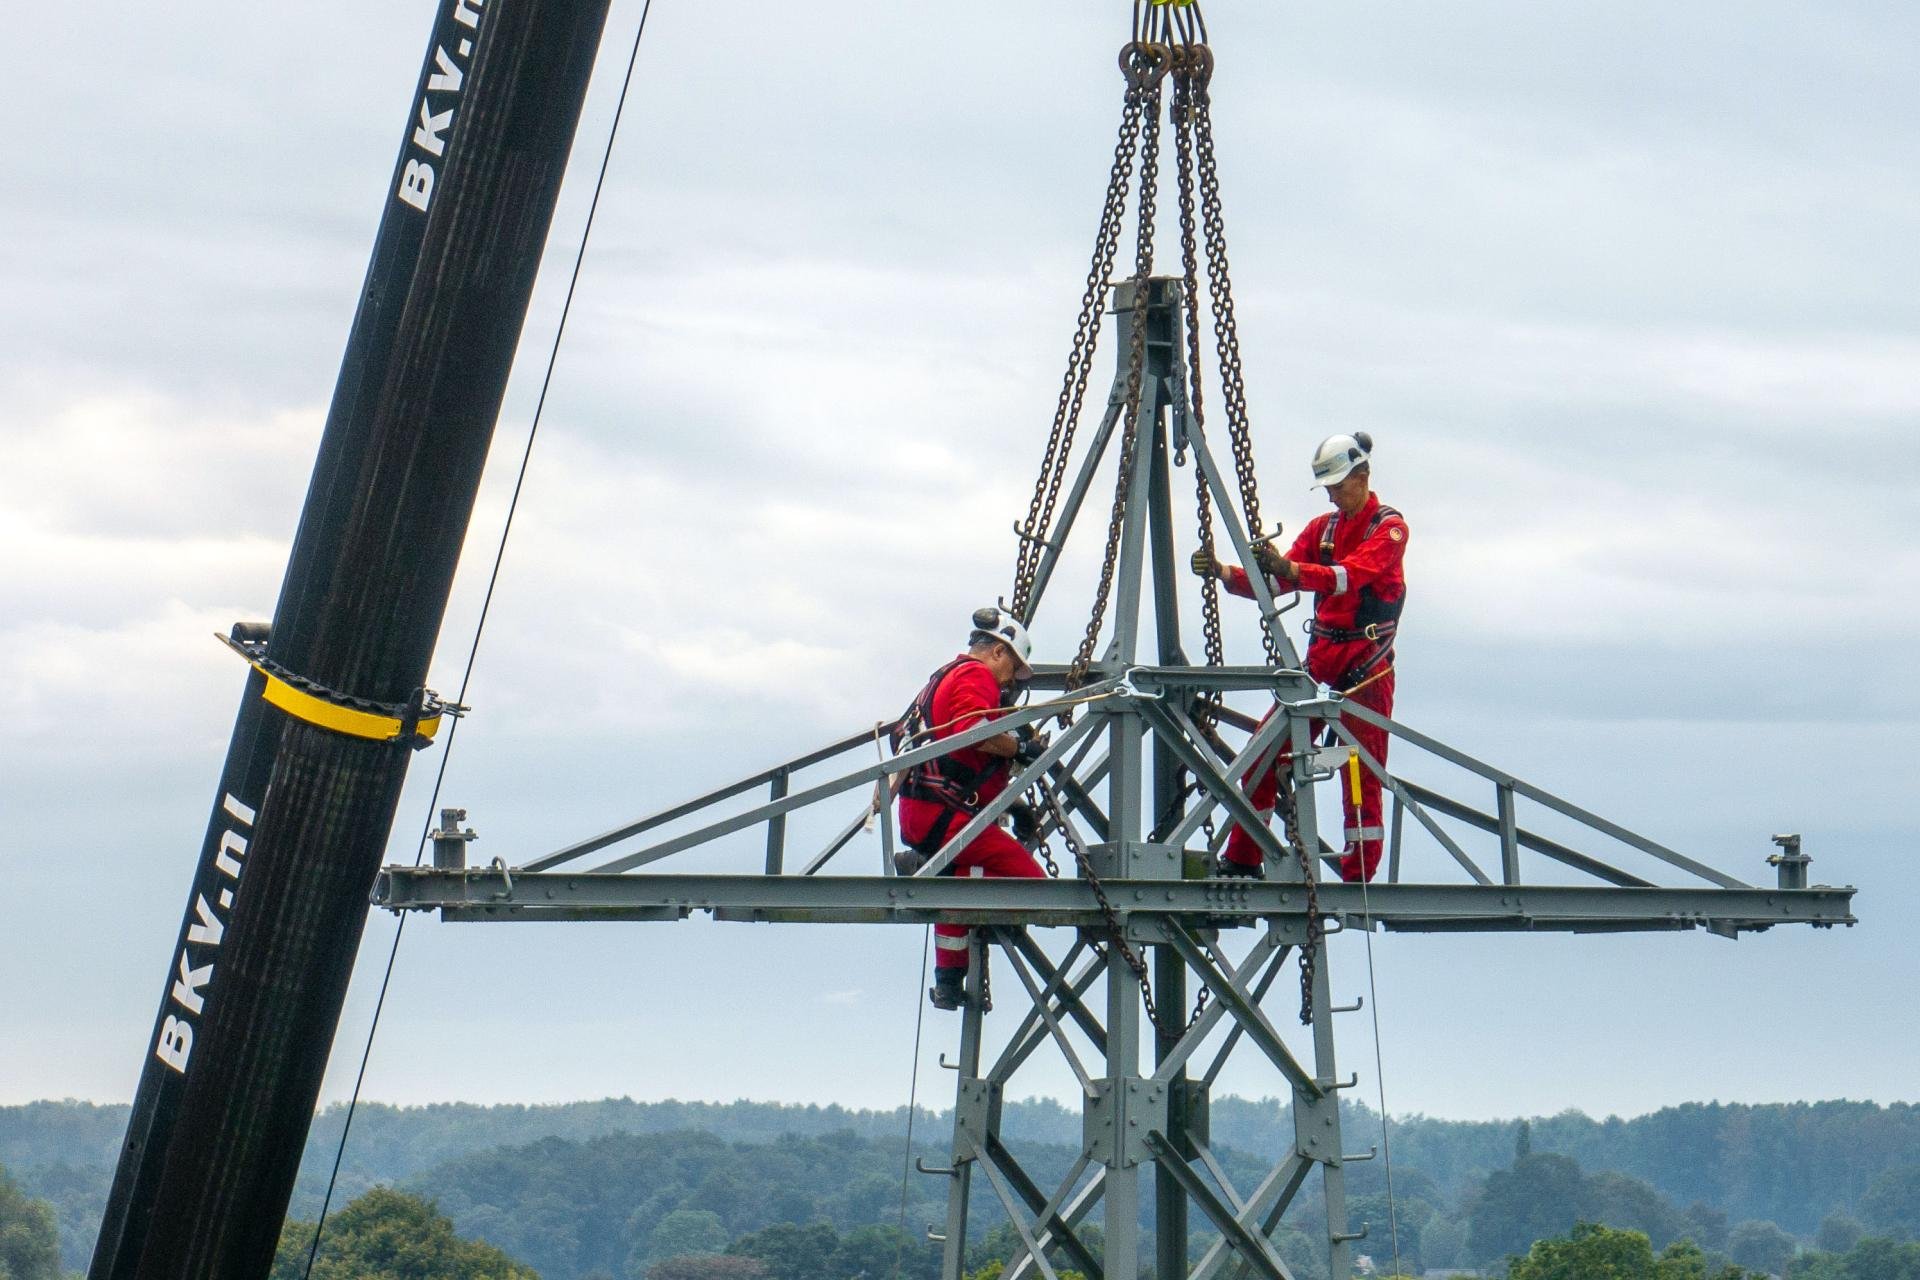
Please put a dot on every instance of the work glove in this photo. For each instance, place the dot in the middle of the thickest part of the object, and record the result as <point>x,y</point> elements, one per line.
<point>1272,562</point>
<point>1029,744</point>
<point>1204,564</point>
<point>1025,822</point>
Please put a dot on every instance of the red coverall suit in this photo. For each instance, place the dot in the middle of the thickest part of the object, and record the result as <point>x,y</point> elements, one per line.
<point>1352,565</point>
<point>965,694</point>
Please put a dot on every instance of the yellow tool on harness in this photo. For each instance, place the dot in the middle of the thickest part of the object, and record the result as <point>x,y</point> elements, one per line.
<point>1353,779</point>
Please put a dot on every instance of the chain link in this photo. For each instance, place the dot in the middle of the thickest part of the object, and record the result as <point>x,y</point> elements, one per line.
<point>1146,68</point>
<point>1086,340</point>
<point>1133,959</point>
<point>1316,928</point>
<point>1184,58</point>
<point>1197,72</point>
<point>1157,50</point>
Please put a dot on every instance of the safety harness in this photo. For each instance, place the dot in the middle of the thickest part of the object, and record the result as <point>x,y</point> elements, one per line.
<point>944,781</point>
<point>1376,619</point>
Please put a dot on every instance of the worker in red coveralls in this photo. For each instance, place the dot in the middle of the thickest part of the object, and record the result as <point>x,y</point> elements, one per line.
<point>1350,559</point>
<point>939,797</point>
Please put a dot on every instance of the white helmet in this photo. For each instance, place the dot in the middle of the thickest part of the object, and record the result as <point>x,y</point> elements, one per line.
<point>994,623</point>
<point>1338,456</point>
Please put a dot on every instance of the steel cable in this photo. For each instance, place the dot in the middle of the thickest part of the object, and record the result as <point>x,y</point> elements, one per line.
<point>913,1102</point>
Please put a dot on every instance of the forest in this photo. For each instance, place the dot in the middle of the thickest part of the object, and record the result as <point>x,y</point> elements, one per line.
<point>619,1190</point>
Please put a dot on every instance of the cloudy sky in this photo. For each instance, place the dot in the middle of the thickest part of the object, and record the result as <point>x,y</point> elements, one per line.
<point>1627,294</point>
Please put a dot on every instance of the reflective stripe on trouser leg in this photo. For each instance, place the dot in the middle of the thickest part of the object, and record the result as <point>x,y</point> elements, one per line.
<point>995,855</point>
<point>950,940</point>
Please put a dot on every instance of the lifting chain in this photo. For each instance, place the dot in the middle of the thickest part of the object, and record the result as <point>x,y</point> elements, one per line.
<point>1038,529</point>
<point>1185,57</point>
<point>1193,119</point>
<point>1145,65</point>
<point>1316,927</point>
<point>1134,960</point>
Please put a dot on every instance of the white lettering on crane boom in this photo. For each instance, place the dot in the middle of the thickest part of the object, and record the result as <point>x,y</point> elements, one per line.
<point>434,113</point>
<point>193,970</point>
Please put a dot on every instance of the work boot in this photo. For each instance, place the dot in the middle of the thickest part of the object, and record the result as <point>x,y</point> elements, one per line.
<point>1227,869</point>
<point>908,861</point>
<point>949,989</point>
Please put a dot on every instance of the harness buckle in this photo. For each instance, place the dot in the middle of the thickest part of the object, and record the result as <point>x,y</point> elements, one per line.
<point>1371,631</point>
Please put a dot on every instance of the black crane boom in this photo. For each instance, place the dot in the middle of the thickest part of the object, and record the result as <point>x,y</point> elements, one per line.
<point>300,823</point>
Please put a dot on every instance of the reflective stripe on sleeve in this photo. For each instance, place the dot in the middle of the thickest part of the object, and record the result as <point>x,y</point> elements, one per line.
<point>1339,579</point>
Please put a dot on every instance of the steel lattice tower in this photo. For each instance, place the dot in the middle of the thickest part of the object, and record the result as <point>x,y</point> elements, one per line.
<point>1145,717</point>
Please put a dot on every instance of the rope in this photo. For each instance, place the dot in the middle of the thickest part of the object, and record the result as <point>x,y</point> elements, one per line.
<point>913,1101</point>
<point>479,629</point>
<point>1380,1070</point>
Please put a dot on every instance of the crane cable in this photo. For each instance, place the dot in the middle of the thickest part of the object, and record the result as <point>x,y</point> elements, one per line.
<point>1373,999</point>
<point>913,1102</point>
<point>480,625</point>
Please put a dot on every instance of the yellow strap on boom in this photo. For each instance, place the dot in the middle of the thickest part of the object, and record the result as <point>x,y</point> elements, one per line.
<point>351,721</point>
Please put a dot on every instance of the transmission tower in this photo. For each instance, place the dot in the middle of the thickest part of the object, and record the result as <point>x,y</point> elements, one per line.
<point>1106,961</point>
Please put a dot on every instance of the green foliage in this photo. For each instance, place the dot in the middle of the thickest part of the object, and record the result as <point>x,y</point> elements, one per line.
<point>390,1235</point>
<point>989,1252</point>
<point>1443,1242</point>
<point>1628,1203</point>
<point>1543,1195</point>
<point>1407,1218</point>
<point>1593,1252</point>
<point>707,1268</point>
<point>790,1251</point>
<point>1839,1233</point>
<point>1589,1253</point>
<point>1789,1163</point>
<point>1539,1197</point>
<point>817,1251</point>
<point>686,1232</point>
<point>569,1208</point>
<point>1891,1206</point>
<point>1706,1225</point>
<point>995,1269</point>
<point>29,1244</point>
<point>1762,1246</point>
<point>1870,1259</point>
<point>1817,1266</point>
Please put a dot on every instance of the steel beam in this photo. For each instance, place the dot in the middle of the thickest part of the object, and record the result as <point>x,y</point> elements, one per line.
<point>481,894</point>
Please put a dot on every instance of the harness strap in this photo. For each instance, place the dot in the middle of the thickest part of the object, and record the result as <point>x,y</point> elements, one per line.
<point>1347,635</point>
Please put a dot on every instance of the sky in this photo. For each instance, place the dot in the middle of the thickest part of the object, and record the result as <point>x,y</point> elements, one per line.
<point>1627,295</point>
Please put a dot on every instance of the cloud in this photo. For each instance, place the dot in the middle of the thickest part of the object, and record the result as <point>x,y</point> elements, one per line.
<point>1628,297</point>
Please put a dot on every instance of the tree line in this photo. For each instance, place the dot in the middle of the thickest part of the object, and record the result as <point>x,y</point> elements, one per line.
<point>609,1205</point>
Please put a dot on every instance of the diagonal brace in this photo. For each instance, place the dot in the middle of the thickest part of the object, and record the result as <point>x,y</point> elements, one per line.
<point>1166,721</point>
<point>990,813</point>
<point>864,776</point>
<point>1050,1225</point>
<point>1189,1044</point>
<point>1245,1012</point>
<point>1418,810</point>
<point>1254,1249</point>
<point>1275,1192</point>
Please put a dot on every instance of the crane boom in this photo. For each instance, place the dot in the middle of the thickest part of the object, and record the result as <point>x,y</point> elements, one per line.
<point>335,699</point>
